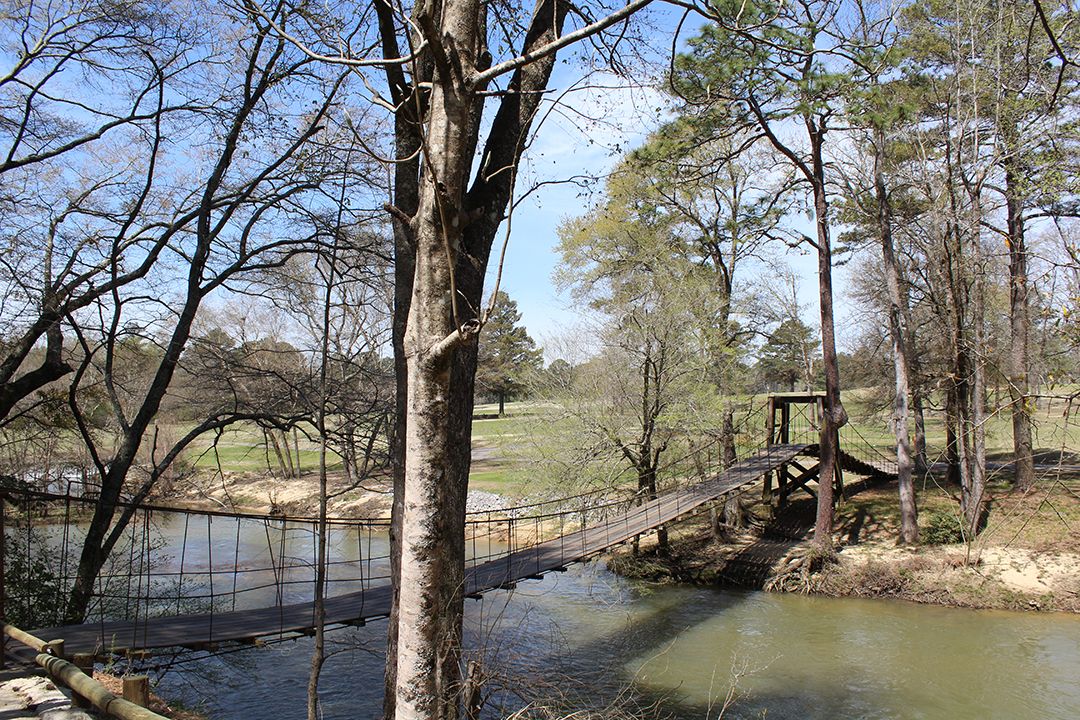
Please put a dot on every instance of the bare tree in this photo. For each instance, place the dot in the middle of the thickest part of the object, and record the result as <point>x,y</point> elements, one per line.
<point>89,93</point>
<point>722,198</point>
<point>248,208</point>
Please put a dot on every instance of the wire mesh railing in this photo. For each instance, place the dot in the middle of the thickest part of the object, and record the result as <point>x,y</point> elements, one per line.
<point>189,562</point>
<point>173,561</point>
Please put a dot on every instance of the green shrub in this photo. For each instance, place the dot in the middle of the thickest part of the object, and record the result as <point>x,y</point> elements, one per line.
<point>35,595</point>
<point>941,528</point>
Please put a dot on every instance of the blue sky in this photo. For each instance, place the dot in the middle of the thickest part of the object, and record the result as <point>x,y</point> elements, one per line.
<point>597,126</point>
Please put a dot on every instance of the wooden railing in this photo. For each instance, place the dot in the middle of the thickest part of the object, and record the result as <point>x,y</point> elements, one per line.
<point>87,690</point>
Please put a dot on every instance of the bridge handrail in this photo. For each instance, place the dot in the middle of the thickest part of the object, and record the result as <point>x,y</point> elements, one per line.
<point>72,676</point>
<point>382,522</point>
<point>869,449</point>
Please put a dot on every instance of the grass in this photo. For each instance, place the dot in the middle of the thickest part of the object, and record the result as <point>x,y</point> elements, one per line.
<point>241,448</point>
<point>520,451</point>
<point>1046,519</point>
<point>1053,432</point>
<point>506,446</point>
<point>508,481</point>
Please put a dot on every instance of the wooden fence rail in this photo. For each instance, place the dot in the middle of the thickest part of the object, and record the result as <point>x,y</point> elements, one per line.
<point>49,655</point>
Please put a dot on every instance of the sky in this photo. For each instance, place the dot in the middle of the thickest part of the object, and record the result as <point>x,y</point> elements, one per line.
<point>594,128</point>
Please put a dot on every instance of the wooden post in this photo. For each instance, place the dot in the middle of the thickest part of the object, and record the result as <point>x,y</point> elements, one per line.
<point>74,678</point>
<point>55,648</point>
<point>783,474</point>
<point>85,662</point>
<point>785,422</point>
<point>770,428</point>
<point>137,690</point>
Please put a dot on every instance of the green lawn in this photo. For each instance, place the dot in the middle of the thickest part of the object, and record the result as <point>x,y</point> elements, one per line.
<point>511,450</point>
<point>241,449</point>
<point>1053,432</point>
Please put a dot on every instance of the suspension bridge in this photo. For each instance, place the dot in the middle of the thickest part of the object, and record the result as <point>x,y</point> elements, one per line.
<point>198,579</point>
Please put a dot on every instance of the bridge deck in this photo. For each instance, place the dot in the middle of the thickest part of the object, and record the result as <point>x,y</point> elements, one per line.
<point>201,630</point>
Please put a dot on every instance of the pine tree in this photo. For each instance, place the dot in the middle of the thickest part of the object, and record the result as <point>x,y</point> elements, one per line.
<point>506,354</point>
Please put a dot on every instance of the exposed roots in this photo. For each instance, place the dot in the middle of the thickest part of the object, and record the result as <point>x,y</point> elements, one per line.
<point>795,573</point>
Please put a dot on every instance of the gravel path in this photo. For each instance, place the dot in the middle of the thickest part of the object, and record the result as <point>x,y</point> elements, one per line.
<point>482,501</point>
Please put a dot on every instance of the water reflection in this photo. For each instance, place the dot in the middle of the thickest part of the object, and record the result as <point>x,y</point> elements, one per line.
<point>588,634</point>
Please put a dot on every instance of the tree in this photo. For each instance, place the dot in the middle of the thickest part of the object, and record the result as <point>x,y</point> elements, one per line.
<point>721,198</point>
<point>258,173</point>
<point>873,108</point>
<point>90,90</point>
<point>441,73</point>
<point>1032,105</point>
<point>651,381</point>
<point>771,65</point>
<point>956,55</point>
<point>358,393</point>
<point>506,355</point>
<point>789,356</point>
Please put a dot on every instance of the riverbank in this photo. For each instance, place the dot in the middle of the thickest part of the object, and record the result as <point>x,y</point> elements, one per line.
<point>1027,557</point>
<point>268,494</point>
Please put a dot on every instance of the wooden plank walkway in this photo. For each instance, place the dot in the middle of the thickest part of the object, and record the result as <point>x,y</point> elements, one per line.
<point>206,630</point>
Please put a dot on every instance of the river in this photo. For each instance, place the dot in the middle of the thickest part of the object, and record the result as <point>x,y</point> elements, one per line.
<point>589,635</point>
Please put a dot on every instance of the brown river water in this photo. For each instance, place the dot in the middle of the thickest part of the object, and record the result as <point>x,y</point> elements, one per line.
<point>589,637</point>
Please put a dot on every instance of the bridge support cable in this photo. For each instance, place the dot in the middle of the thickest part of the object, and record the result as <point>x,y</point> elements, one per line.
<point>586,526</point>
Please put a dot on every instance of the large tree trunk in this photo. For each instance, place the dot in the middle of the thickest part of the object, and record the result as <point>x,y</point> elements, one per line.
<point>1020,327</point>
<point>444,229</point>
<point>909,516</point>
<point>647,490</point>
<point>835,416</point>
<point>432,561</point>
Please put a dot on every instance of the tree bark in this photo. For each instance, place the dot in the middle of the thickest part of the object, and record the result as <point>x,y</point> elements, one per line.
<point>1020,329</point>
<point>909,516</point>
<point>922,463</point>
<point>727,440</point>
<point>952,436</point>
<point>431,566</point>
<point>835,415</point>
<point>406,193</point>
<point>977,474</point>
